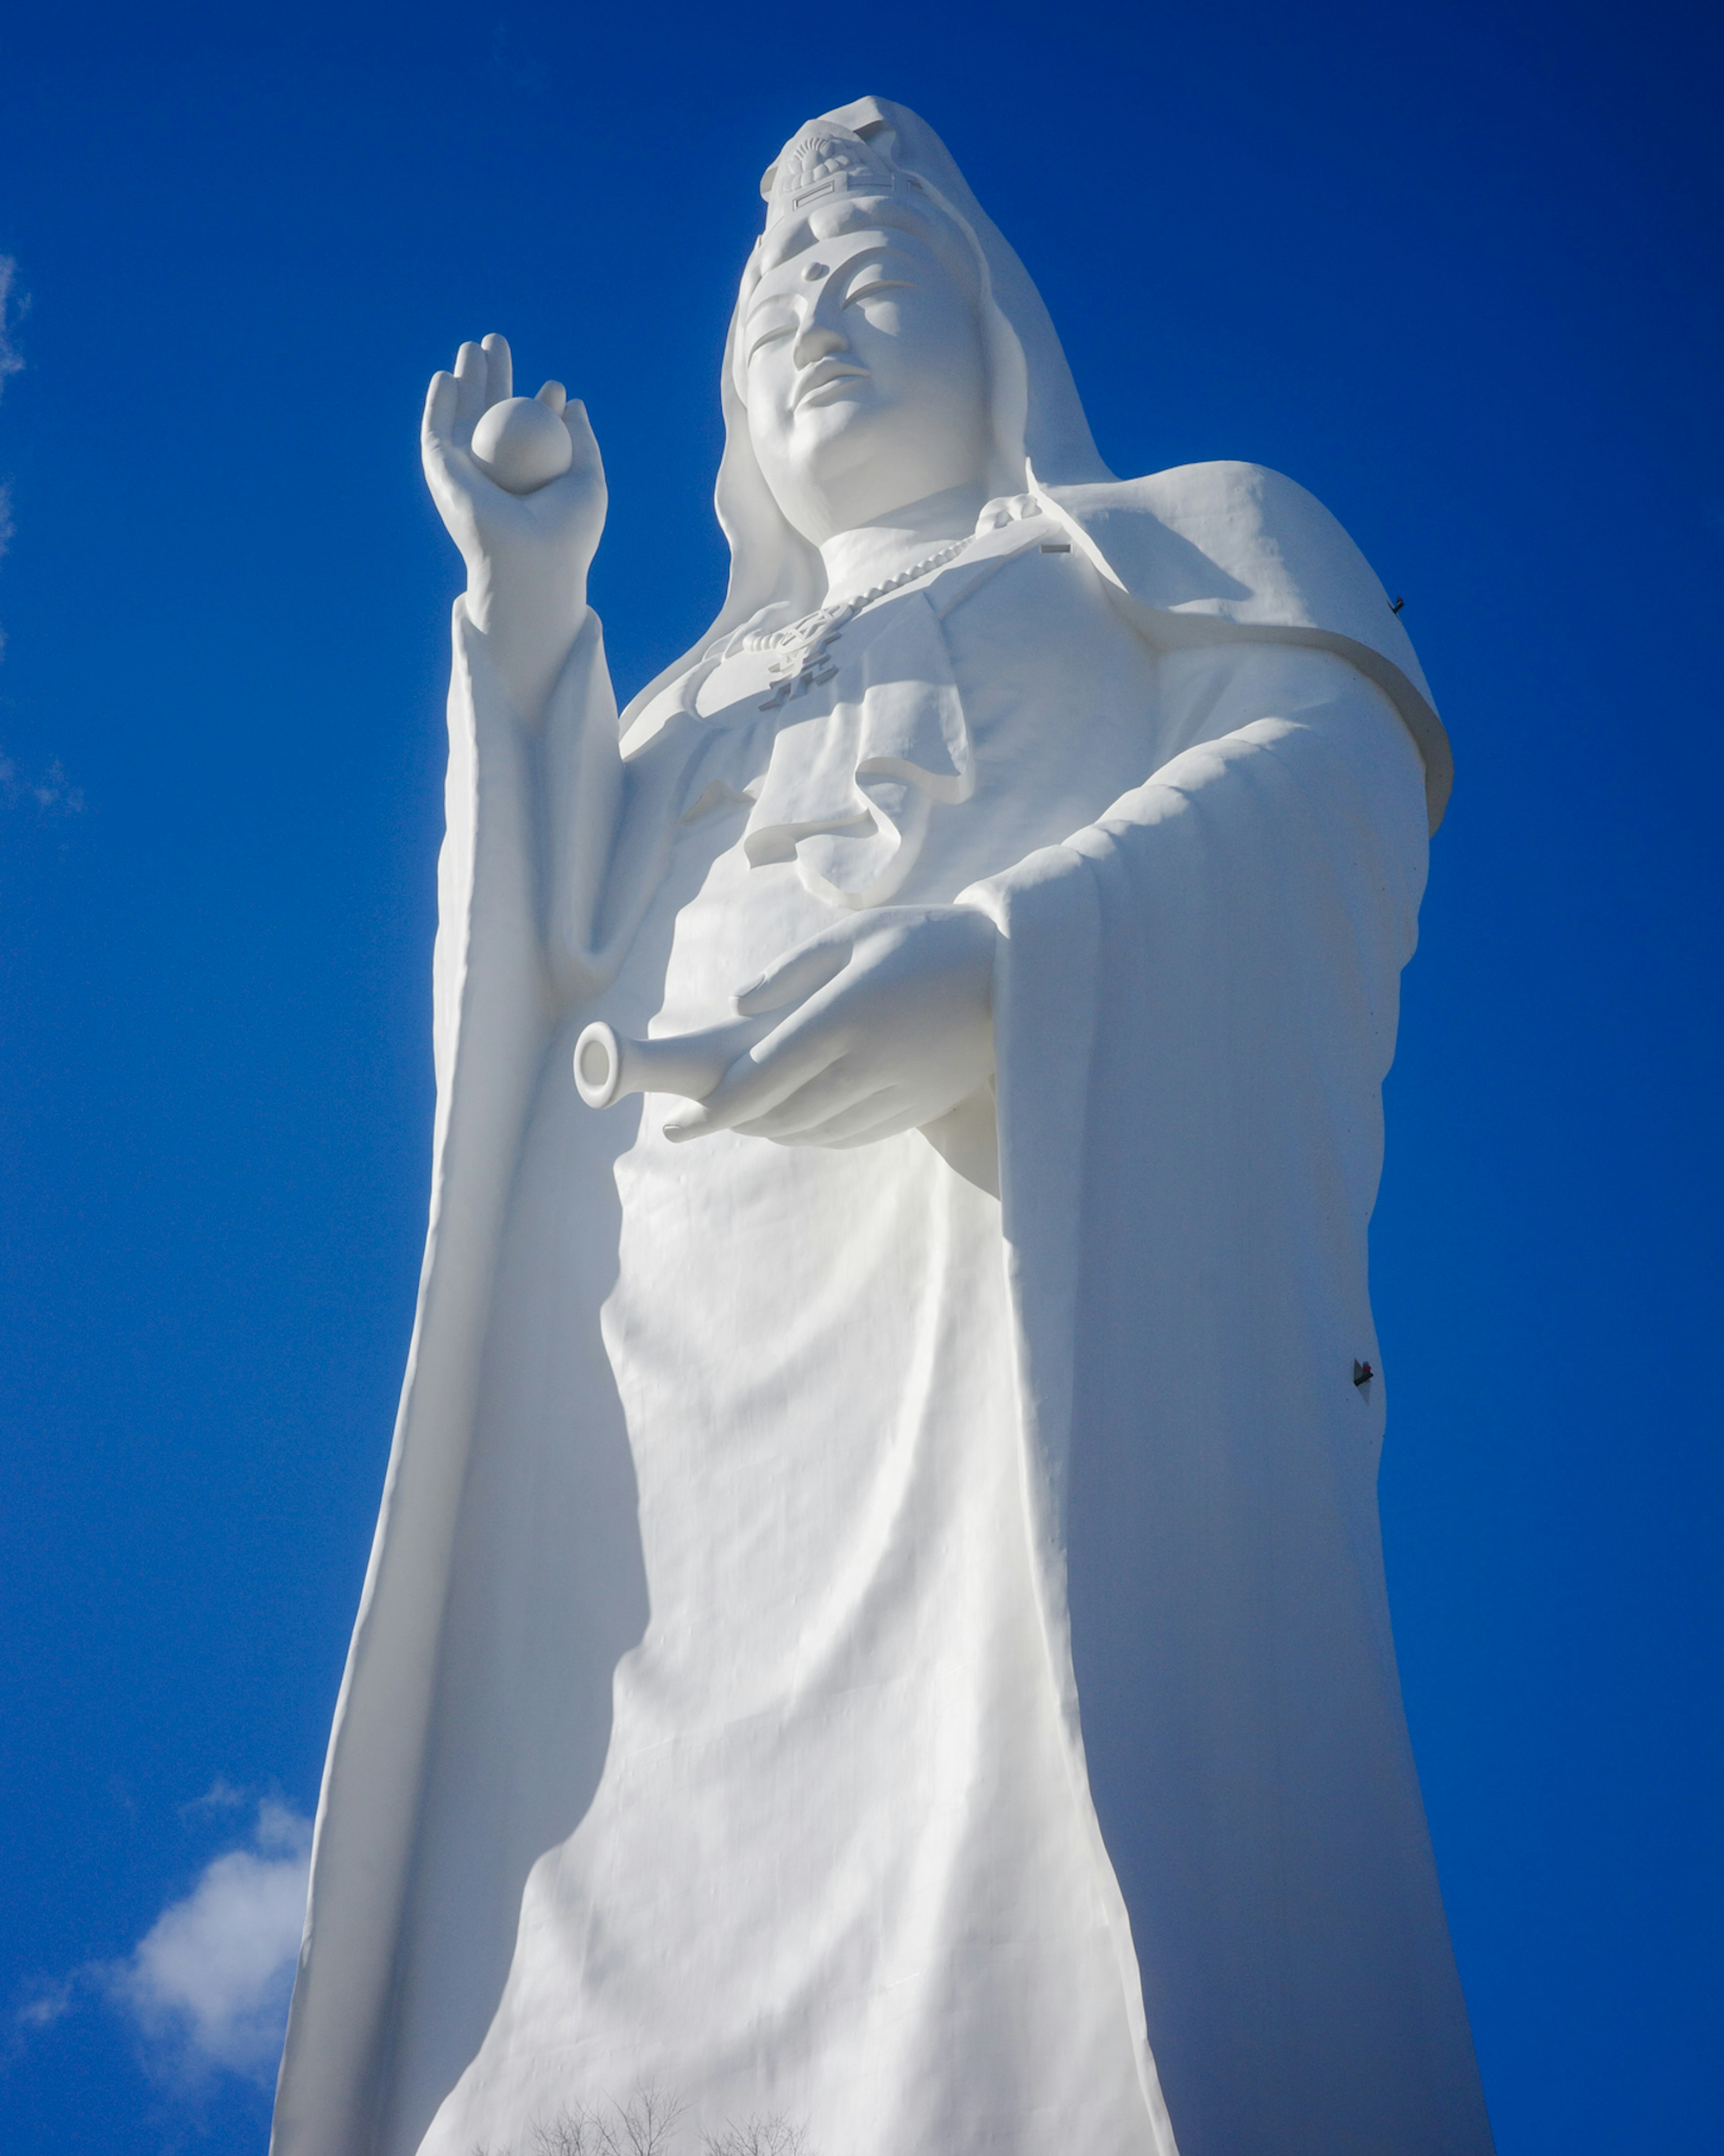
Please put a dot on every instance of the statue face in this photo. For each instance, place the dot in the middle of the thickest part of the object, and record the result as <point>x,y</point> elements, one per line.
<point>866,383</point>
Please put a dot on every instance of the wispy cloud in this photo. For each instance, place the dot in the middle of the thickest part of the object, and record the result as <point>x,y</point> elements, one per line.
<point>51,789</point>
<point>12,307</point>
<point>206,1989</point>
<point>49,2003</point>
<point>221,1796</point>
<point>208,1984</point>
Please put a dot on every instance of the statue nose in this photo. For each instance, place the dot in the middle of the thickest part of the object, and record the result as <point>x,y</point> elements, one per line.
<point>817,341</point>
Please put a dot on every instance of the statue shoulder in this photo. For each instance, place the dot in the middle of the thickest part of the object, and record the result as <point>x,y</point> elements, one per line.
<point>1225,549</point>
<point>1238,541</point>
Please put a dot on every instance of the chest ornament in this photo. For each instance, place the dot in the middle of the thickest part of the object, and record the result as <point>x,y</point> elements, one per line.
<point>801,663</point>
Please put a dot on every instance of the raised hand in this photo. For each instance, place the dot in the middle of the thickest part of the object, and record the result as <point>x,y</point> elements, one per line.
<point>527,554</point>
<point>893,1025</point>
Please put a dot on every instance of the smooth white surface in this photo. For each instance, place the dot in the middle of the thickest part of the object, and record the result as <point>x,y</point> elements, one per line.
<point>610,1066</point>
<point>874,1623</point>
<point>523,443</point>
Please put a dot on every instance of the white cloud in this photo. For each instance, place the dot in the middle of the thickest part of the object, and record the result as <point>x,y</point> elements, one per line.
<point>208,1984</point>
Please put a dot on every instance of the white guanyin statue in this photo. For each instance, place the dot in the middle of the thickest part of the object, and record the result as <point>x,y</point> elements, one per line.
<point>876,1640</point>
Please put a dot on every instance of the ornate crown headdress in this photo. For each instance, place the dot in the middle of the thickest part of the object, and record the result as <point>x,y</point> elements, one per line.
<point>824,162</point>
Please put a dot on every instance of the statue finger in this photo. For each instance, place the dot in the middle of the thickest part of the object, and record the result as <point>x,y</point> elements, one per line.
<point>555,395</point>
<point>819,1116</point>
<point>472,370</point>
<point>892,1126</point>
<point>440,401</point>
<point>828,1093</point>
<point>757,1081</point>
<point>580,434</point>
<point>799,973</point>
<point>500,379</point>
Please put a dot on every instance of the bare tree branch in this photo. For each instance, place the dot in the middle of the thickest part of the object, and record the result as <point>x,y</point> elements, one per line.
<point>774,2135</point>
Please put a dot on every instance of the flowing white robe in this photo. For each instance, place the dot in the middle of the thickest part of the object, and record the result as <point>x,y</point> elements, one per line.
<point>844,1647</point>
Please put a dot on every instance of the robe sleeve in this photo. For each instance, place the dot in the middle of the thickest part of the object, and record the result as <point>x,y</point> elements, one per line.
<point>1196,1002</point>
<point>513,925</point>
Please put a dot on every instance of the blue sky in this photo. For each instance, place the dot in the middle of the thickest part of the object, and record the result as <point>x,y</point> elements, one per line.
<point>1455,268</point>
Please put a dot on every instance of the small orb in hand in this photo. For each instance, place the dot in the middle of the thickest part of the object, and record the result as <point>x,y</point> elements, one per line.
<point>522,444</point>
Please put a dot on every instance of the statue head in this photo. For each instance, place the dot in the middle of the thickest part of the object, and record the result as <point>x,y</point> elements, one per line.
<point>861,354</point>
<point>842,399</point>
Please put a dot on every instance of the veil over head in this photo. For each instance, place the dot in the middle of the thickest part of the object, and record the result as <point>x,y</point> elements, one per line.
<point>1038,419</point>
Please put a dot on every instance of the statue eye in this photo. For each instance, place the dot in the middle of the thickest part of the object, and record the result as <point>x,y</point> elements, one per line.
<point>770,334</point>
<point>878,284</point>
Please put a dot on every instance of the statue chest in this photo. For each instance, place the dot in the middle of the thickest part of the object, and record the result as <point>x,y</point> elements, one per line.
<point>943,734</point>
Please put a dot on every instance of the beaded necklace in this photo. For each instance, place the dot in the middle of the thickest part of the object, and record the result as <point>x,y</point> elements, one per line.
<point>802,662</point>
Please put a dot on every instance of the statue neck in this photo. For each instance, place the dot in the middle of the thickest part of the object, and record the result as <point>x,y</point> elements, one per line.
<point>859,559</point>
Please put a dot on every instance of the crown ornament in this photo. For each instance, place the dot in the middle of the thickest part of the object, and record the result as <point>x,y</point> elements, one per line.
<point>824,162</point>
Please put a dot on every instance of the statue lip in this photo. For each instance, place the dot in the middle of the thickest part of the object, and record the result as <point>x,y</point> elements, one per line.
<point>825,374</point>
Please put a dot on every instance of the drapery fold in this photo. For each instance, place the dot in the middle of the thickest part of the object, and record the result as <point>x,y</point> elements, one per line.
<point>847,792</point>
<point>490,987</point>
<point>1195,1008</point>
